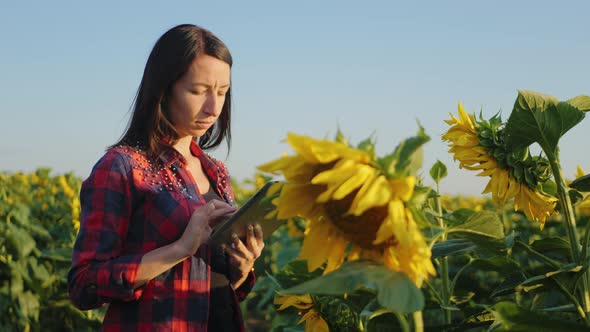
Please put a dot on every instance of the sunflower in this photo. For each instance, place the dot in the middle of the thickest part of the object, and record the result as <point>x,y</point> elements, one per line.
<point>479,146</point>
<point>584,206</point>
<point>312,318</point>
<point>347,199</point>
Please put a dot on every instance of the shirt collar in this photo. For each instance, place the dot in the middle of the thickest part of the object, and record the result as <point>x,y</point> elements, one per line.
<point>170,155</point>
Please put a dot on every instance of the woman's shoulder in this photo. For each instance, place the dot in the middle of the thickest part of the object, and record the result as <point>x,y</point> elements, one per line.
<point>219,165</point>
<point>121,159</point>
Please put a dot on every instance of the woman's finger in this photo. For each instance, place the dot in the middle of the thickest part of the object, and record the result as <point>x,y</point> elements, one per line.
<point>251,242</point>
<point>239,246</point>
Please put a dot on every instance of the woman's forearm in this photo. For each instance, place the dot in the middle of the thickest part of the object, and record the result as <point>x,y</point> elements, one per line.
<point>158,261</point>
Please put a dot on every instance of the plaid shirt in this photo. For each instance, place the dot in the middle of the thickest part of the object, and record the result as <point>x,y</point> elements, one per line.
<point>130,206</point>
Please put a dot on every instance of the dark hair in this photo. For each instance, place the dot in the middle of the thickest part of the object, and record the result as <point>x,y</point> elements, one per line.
<point>150,125</point>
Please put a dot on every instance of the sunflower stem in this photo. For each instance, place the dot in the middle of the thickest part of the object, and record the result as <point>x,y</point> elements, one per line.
<point>572,298</point>
<point>444,266</point>
<point>568,212</point>
<point>403,322</point>
<point>418,321</point>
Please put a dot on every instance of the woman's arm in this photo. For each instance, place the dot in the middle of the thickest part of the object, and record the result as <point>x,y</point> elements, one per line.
<point>197,232</point>
<point>100,273</point>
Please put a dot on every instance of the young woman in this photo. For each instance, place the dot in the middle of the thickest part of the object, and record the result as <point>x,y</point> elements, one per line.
<point>150,202</point>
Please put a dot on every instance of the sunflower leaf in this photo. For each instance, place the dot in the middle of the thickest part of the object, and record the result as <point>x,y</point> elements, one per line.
<point>340,137</point>
<point>438,171</point>
<point>542,119</point>
<point>451,247</point>
<point>483,228</point>
<point>582,183</point>
<point>295,273</point>
<point>580,102</point>
<point>394,290</point>
<point>553,246</point>
<point>367,145</point>
<point>407,157</point>
<point>511,317</point>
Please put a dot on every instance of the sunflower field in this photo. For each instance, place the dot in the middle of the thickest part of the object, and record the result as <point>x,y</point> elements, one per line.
<point>366,245</point>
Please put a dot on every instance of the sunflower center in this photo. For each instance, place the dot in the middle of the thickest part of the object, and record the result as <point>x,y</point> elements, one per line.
<point>362,230</point>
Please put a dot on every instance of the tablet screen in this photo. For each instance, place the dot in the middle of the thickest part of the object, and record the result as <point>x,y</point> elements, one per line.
<point>253,211</point>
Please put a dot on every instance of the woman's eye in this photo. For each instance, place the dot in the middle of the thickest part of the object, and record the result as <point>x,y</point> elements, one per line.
<point>221,93</point>
<point>198,93</point>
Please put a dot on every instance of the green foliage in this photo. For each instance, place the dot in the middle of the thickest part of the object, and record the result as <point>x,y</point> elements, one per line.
<point>511,317</point>
<point>542,119</point>
<point>582,183</point>
<point>452,247</point>
<point>394,290</point>
<point>438,171</point>
<point>407,157</point>
<point>38,220</point>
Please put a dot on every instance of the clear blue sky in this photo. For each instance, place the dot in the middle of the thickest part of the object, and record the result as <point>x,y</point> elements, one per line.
<point>69,71</point>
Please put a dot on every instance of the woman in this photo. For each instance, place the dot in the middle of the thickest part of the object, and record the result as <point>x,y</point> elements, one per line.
<point>150,202</point>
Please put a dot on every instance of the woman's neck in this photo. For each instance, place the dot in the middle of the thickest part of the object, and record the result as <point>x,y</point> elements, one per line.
<point>184,146</point>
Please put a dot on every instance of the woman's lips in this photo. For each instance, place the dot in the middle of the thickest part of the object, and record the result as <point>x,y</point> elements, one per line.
<point>204,124</point>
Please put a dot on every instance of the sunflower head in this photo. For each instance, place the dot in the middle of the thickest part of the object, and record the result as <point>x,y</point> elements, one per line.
<point>345,194</point>
<point>480,145</point>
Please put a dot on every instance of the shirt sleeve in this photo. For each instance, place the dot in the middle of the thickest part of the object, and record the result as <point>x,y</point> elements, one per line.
<point>100,273</point>
<point>246,286</point>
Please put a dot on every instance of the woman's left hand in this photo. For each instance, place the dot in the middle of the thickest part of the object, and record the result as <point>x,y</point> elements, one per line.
<point>242,256</point>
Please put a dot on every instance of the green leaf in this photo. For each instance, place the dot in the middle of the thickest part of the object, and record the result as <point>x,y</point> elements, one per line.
<point>459,216</point>
<point>29,306</point>
<point>19,241</point>
<point>508,286</point>
<point>20,212</point>
<point>40,273</point>
<point>580,102</point>
<point>296,273</point>
<point>582,183</point>
<point>340,137</point>
<point>540,118</point>
<point>451,247</point>
<point>407,157</point>
<point>500,264</point>
<point>462,298</point>
<point>511,317</point>
<point>553,245</point>
<point>483,228</point>
<point>567,275</point>
<point>367,145</point>
<point>58,254</point>
<point>438,171</point>
<point>16,279</point>
<point>394,290</point>
<point>509,270</point>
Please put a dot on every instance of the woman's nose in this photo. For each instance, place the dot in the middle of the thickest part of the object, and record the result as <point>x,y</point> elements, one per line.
<point>211,105</point>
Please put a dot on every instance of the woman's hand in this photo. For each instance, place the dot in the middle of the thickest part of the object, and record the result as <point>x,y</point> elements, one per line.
<point>242,256</point>
<point>199,226</point>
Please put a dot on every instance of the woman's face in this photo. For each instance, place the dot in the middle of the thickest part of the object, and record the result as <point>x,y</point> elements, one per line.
<point>198,96</point>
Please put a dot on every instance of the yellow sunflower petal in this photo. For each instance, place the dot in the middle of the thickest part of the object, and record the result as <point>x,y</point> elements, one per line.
<point>579,172</point>
<point>376,193</point>
<point>403,188</point>
<point>296,200</point>
<point>316,244</point>
<point>297,301</point>
<point>314,322</point>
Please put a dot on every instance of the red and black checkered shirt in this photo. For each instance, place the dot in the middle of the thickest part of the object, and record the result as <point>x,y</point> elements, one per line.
<point>130,206</point>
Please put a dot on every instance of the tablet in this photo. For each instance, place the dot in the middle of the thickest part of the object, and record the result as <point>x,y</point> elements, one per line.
<point>253,211</point>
